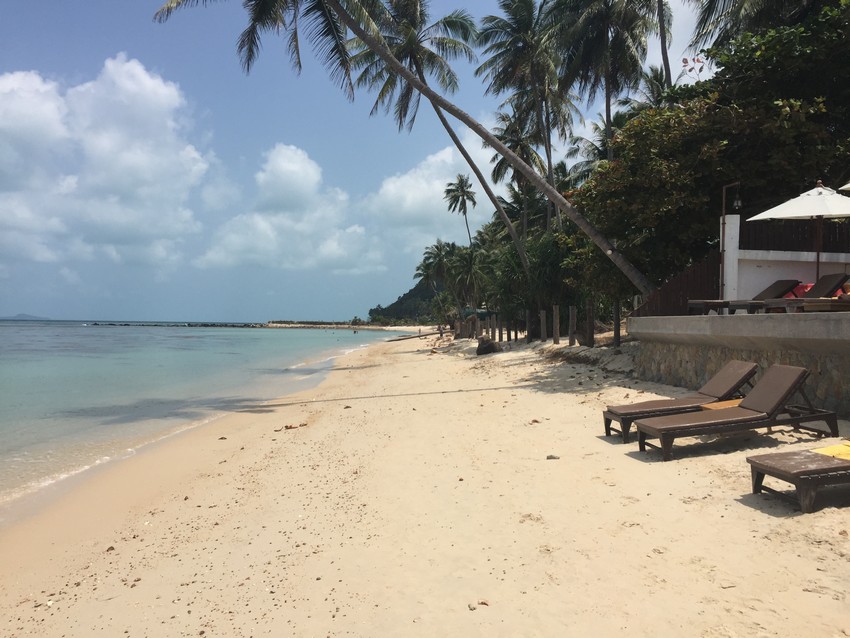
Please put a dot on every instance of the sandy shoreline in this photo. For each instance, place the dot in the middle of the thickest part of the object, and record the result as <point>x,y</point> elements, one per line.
<point>412,495</point>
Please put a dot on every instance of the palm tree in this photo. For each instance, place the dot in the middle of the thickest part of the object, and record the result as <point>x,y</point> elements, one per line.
<point>727,19</point>
<point>327,20</point>
<point>607,43</point>
<point>592,150</point>
<point>432,269</point>
<point>524,61</point>
<point>651,92</point>
<point>459,194</point>
<point>424,50</point>
<point>514,133</point>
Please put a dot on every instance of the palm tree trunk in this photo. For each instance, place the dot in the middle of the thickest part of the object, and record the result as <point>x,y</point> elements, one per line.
<point>550,170</point>
<point>662,34</point>
<point>608,98</point>
<point>376,44</point>
<point>469,234</point>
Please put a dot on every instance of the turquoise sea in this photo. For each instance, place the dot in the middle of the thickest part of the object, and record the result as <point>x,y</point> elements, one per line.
<point>74,395</point>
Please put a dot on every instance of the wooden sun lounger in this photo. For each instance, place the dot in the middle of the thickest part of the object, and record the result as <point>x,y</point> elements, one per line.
<point>765,406</point>
<point>823,290</point>
<point>805,469</point>
<point>725,384</point>
<point>778,288</point>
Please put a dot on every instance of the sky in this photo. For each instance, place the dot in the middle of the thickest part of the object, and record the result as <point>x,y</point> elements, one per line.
<point>144,176</point>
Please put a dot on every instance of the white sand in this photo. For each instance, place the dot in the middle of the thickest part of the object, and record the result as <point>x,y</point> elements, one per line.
<point>417,500</point>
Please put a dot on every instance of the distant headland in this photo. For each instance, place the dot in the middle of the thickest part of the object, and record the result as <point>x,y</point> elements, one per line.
<point>23,317</point>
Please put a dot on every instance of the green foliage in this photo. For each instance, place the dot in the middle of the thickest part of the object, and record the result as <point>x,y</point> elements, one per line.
<point>775,118</point>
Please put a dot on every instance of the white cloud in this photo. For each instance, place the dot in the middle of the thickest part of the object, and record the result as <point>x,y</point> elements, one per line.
<point>298,223</point>
<point>100,169</point>
<point>411,205</point>
<point>288,180</point>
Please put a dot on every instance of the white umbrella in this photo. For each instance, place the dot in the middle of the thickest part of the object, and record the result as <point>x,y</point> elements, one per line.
<point>815,204</point>
<point>818,202</point>
<point>846,187</point>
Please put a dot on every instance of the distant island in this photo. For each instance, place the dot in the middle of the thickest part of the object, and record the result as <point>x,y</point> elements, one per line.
<point>23,317</point>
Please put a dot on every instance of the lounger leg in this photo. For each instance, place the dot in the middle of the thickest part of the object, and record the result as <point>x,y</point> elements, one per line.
<point>806,492</point>
<point>758,480</point>
<point>832,422</point>
<point>625,426</point>
<point>642,441</point>
<point>666,447</point>
<point>607,426</point>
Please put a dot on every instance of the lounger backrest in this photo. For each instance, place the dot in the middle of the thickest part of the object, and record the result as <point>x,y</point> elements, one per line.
<point>775,387</point>
<point>826,286</point>
<point>729,379</point>
<point>777,289</point>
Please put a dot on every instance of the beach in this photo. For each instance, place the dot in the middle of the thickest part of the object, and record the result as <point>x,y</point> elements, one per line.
<point>422,491</point>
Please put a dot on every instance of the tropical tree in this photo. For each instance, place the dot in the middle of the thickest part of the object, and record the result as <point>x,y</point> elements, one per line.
<point>592,150</point>
<point>326,22</point>
<point>459,195</point>
<point>607,43</point>
<point>524,61</point>
<point>432,270</point>
<point>514,133</point>
<point>650,94</point>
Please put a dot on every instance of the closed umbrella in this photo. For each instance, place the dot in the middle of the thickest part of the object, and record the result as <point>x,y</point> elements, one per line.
<point>815,204</point>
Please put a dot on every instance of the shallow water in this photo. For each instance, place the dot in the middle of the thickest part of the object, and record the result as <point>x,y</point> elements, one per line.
<point>74,395</point>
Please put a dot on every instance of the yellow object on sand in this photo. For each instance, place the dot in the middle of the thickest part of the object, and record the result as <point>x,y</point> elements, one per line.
<point>840,451</point>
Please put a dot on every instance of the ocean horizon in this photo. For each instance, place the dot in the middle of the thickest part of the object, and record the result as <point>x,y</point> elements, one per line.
<point>77,394</point>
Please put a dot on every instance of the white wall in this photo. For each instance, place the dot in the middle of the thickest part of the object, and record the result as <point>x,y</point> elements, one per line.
<point>748,272</point>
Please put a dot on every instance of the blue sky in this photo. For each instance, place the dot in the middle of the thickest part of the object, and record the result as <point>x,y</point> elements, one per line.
<point>144,176</point>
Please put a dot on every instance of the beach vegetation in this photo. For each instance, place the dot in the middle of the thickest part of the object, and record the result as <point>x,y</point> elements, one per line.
<point>647,179</point>
<point>774,117</point>
<point>327,23</point>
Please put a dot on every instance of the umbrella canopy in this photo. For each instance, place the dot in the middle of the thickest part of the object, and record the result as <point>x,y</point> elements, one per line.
<point>818,202</point>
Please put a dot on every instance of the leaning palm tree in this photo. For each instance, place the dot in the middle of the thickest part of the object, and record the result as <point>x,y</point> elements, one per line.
<point>425,50</point>
<point>459,195</point>
<point>326,22</point>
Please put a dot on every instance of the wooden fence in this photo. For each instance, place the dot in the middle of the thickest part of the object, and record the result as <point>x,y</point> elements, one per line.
<point>700,281</point>
<point>795,235</point>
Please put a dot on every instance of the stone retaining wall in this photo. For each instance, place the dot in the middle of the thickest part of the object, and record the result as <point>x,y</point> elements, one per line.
<point>690,366</point>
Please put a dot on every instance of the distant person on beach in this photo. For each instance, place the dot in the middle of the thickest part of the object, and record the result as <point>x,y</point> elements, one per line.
<point>440,329</point>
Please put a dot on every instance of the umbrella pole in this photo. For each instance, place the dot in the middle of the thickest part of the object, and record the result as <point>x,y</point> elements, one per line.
<point>819,243</point>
